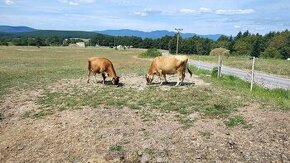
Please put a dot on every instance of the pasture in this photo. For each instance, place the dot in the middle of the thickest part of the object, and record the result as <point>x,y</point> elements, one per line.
<point>48,113</point>
<point>272,66</point>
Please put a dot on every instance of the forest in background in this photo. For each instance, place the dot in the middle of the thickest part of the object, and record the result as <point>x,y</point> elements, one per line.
<point>271,45</point>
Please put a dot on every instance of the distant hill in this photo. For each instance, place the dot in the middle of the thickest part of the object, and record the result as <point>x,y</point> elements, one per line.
<point>50,33</point>
<point>153,34</point>
<point>23,31</point>
<point>13,29</point>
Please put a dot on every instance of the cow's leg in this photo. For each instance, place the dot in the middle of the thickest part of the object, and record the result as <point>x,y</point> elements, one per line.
<point>160,80</point>
<point>164,76</point>
<point>104,77</point>
<point>180,78</point>
<point>89,74</point>
<point>95,77</point>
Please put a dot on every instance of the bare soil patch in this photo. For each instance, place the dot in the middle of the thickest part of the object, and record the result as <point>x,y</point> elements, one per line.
<point>139,82</point>
<point>133,81</point>
<point>108,134</point>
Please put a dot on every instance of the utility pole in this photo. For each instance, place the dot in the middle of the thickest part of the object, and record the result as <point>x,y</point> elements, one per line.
<point>178,33</point>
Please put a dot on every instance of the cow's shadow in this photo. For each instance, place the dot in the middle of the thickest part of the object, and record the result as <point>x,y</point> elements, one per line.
<point>109,82</point>
<point>174,83</point>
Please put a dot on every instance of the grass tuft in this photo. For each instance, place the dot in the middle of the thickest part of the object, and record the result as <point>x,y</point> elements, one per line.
<point>205,134</point>
<point>218,110</point>
<point>116,148</point>
<point>237,121</point>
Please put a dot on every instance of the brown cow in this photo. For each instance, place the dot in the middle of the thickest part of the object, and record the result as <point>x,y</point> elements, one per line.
<point>170,64</point>
<point>102,66</point>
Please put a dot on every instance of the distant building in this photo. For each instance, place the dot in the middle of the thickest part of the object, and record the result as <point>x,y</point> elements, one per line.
<point>81,44</point>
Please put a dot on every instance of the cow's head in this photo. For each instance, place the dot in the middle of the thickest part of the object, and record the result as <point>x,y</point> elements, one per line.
<point>149,78</point>
<point>115,80</point>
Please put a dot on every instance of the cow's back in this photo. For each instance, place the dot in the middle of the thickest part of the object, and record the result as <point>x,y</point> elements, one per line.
<point>169,64</point>
<point>182,58</point>
<point>97,63</point>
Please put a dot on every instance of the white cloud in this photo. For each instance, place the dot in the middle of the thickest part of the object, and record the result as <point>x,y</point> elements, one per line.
<point>204,10</point>
<point>77,2</point>
<point>73,3</point>
<point>187,11</point>
<point>237,26</point>
<point>234,12</point>
<point>147,12</point>
<point>9,2</point>
<point>141,13</point>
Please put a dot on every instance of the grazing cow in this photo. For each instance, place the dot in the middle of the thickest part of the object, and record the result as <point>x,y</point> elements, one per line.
<point>170,64</point>
<point>102,66</point>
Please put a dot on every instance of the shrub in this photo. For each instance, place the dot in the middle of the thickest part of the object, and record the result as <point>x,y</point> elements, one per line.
<point>214,72</point>
<point>271,53</point>
<point>220,51</point>
<point>150,53</point>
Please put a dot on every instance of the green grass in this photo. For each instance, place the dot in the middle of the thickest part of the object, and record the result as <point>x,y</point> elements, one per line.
<point>116,148</point>
<point>274,98</point>
<point>237,121</point>
<point>272,66</point>
<point>30,68</point>
<point>147,116</point>
<point>205,134</point>
<point>187,122</point>
<point>178,100</point>
<point>218,110</point>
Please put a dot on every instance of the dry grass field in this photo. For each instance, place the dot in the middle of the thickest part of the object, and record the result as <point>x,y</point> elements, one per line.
<point>48,113</point>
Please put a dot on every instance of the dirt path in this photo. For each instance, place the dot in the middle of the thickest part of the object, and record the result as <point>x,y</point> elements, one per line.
<point>105,134</point>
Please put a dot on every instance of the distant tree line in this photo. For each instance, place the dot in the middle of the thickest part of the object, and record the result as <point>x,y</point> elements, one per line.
<point>270,45</point>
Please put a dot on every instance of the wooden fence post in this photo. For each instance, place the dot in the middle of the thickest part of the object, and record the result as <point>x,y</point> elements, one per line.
<point>219,67</point>
<point>252,79</point>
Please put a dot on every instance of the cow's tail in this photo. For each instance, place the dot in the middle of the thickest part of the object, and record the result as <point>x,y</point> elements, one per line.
<point>189,71</point>
<point>186,64</point>
<point>89,65</point>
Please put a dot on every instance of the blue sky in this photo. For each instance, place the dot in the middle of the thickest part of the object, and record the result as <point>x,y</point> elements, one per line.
<point>194,16</point>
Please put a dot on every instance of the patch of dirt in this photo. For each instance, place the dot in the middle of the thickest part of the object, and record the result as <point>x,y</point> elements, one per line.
<point>16,104</point>
<point>105,134</point>
<point>128,81</point>
<point>139,82</point>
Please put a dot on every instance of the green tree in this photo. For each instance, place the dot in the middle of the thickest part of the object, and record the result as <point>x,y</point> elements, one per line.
<point>243,46</point>
<point>256,48</point>
<point>223,42</point>
<point>271,53</point>
<point>172,45</point>
<point>280,43</point>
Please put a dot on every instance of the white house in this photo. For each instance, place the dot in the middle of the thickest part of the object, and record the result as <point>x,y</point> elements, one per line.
<point>81,44</point>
